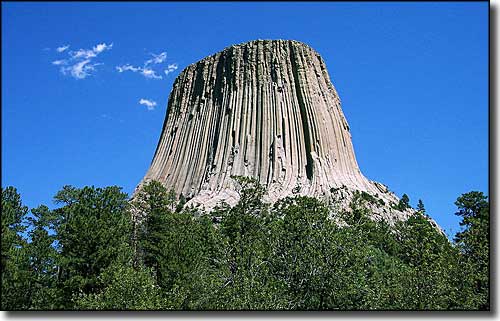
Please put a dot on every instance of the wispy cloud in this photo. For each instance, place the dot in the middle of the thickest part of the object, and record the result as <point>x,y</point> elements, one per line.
<point>150,104</point>
<point>59,62</point>
<point>171,68</point>
<point>101,47</point>
<point>81,69</point>
<point>79,64</point>
<point>83,53</point>
<point>150,73</point>
<point>157,59</point>
<point>147,70</point>
<point>62,48</point>
<point>90,53</point>
<point>127,67</point>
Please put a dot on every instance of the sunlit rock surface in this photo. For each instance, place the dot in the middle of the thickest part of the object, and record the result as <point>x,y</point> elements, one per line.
<point>266,109</point>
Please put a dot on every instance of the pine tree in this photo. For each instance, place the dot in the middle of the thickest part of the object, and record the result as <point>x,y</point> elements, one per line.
<point>15,259</point>
<point>93,230</point>
<point>44,260</point>
<point>420,207</point>
<point>404,202</point>
<point>427,252</point>
<point>179,246</point>
<point>293,255</point>
<point>153,206</point>
<point>473,242</point>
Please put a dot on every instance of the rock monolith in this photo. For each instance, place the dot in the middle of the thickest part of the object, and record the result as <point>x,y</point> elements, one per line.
<point>265,109</point>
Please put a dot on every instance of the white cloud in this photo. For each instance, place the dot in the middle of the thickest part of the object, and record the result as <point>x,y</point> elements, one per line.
<point>90,53</point>
<point>157,59</point>
<point>150,73</point>
<point>62,48</point>
<point>127,67</point>
<point>150,104</point>
<point>101,47</point>
<point>171,68</point>
<point>82,53</point>
<point>80,70</point>
<point>59,62</point>
<point>147,70</point>
<point>79,63</point>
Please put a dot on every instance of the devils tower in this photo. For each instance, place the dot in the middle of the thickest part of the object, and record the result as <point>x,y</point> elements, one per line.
<point>265,109</point>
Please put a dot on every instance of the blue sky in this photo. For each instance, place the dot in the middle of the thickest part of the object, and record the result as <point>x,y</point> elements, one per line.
<point>412,77</point>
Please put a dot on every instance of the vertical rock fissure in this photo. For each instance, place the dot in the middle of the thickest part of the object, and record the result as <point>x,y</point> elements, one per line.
<point>217,104</point>
<point>199,83</point>
<point>303,113</point>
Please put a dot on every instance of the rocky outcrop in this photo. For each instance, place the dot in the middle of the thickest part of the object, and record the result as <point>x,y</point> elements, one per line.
<point>265,109</point>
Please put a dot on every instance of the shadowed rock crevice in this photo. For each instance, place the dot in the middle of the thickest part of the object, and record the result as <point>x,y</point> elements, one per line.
<point>303,113</point>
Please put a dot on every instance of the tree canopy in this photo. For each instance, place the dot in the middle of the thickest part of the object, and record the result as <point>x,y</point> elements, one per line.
<point>100,250</point>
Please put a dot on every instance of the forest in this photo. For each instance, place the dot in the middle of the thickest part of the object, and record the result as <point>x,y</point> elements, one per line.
<point>99,249</point>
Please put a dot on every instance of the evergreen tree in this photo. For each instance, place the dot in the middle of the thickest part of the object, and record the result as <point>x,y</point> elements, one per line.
<point>181,203</point>
<point>305,247</point>
<point>179,246</point>
<point>404,203</point>
<point>94,252</point>
<point>15,258</point>
<point>420,207</point>
<point>44,260</point>
<point>246,231</point>
<point>93,229</point>
<point>473,242</point>
<point>152,208</point>
<point>427,252</point>
<point>127,288</point>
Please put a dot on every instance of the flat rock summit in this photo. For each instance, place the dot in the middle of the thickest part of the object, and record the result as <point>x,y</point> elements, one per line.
<point>265,109</point>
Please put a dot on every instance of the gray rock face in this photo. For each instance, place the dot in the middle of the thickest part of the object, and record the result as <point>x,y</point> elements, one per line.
<point>265,109</point>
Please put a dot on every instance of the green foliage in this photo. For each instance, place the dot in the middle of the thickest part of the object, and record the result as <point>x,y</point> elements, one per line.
<point>15,259</point>
<point>367,197</point>
<point>180,247</point>
<point>182,202</point>
<point>404,203</point>
<point>247,231</point>
<point>44,260</point>
<point>13,214</point>
<point>95,252</point>
<point>188,260</point>
<point>420,207</point>
<point>93,228</point>
<point>153,205</point>
<point>473,241</point>
<point>430,256</point>
<point>303,251</point>
<point>127,289</point>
